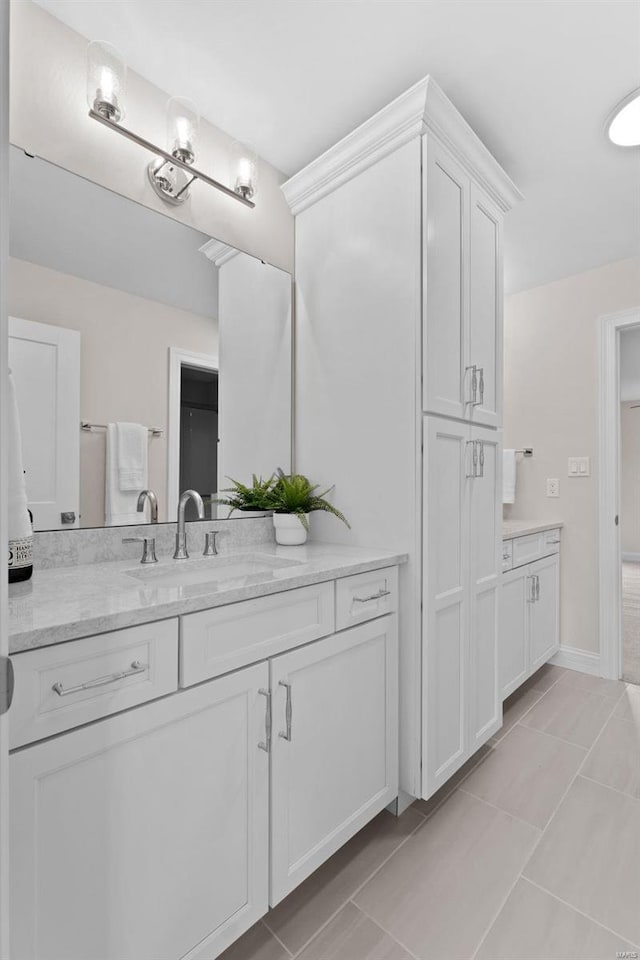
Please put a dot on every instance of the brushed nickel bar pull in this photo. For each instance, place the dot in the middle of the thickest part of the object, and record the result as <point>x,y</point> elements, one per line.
<point>481,445</point>
<point>266,743</point>
<point>537,587</point>
<point>374,596</point>
<point>288,712</point>
<point>474,384</point>
<point>136,667</point>
<point>481,386</point>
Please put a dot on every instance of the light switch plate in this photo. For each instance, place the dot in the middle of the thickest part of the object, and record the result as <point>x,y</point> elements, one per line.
<point>579,466</point>
<point>553,487</point>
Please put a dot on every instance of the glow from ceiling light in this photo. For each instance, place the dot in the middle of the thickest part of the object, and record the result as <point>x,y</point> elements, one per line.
<point>623,125</point>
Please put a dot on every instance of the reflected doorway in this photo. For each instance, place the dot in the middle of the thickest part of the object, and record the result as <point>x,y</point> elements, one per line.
<point>198,434</point>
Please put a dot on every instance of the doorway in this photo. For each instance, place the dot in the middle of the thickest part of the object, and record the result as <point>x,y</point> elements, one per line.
<point>620,495</point>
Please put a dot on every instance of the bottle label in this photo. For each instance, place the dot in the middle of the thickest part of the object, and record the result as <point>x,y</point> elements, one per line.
<point>20,553</point>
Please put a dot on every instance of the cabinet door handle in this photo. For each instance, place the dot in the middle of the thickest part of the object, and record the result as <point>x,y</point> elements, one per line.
<point>474,460</point>
<point>532,589</point>
<point>288,711</point>
<point>481,458</point>
<point>553,541</point>
<point>481,386</point>
<point>374,596</point>
<point>474,384</point>
<point>136,667</point>
<point>266,743</point>
<point>537,587</point>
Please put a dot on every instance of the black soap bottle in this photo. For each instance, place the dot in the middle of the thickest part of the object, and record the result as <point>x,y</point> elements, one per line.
<point>21,557</point>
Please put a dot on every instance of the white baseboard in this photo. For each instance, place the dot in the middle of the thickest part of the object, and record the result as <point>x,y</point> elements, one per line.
<point>575,659</point>
<point>631,557</point>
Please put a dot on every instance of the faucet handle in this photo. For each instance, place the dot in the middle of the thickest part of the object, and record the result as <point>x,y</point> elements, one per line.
<point>210,545</point>
<point>148,549</point>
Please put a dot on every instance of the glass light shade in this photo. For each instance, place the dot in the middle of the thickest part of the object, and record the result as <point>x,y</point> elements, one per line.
<point>183,121</point>
<point>106,80</point>
<point>244,170</point>
<point>623,125</point>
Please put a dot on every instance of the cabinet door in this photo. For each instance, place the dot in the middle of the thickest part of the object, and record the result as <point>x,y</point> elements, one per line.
<point>485,307</point>
<point>445,283</point>
<point>544,638</point>
<point>513,657</point>
<point>142,836</point>
<point>445,600</point>
<point>485,540</point>
<point>334,747</point>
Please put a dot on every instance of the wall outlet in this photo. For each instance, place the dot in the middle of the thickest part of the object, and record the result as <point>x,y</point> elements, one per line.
<point>553,487</point>
<point>579,466</point>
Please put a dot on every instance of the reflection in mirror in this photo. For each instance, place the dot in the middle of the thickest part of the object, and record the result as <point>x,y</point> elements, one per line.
<point>146,355</point>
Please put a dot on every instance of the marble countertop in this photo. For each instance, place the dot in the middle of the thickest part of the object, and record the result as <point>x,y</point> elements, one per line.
<point>70,602</point>
<point>521,528</point>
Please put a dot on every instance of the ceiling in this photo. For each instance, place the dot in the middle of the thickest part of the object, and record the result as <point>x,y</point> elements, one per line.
<point>535,79</point>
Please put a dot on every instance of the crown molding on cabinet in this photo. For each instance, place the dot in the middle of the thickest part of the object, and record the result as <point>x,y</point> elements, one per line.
<point>423,107</point>
<point>218,252</point>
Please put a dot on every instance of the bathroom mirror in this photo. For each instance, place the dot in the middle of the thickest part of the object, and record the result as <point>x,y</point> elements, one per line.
<point>120,315</point>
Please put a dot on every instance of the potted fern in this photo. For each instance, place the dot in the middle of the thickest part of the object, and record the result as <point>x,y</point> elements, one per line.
<point>293,497</point>
<point>251,499</point>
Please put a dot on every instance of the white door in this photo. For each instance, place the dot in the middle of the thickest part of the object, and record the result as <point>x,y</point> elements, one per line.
<point>334,760</point>
<point>485,703</point>
<point>513,656</point>
<point>544,611</point>
<point>485,307</point>
<point>144,836</point>
<point>446,384</point>
<point>447,465</point>
<point>45,361</point>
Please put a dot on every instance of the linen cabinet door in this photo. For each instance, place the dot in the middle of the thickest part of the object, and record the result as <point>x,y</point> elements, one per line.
<point>334,760</point>
<point>485,308</point>
<point>447,463</point>
<point>446,384</point>
<point>485,703</point>
<point>544,611</point>
<point>144,836</point>
<point>513,650</point>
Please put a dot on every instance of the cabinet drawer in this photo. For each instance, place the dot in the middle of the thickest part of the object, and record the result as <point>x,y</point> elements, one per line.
<point>63,686</point>
<point>507,555</point>
<point>526,549</point>
<point>365,596</point>
<point>552,542</point>
<point>225,638</point>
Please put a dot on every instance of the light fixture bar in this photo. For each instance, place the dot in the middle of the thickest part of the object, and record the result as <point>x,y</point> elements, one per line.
<point>147,145</point>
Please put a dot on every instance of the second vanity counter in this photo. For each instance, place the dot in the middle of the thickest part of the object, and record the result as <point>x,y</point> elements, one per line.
<point>70,602</point>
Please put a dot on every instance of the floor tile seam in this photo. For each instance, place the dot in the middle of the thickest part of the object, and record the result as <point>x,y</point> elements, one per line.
<point>380,926</point>
<point>275,936</point>
<point>514,816</point>
<point>587,916</point>
<point>554,736</point>
<point>607,786</point>
<point>354,893</point>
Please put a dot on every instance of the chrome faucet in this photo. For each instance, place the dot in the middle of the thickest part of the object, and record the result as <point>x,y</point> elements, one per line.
<point>153,504</point>
<point>181,536</point>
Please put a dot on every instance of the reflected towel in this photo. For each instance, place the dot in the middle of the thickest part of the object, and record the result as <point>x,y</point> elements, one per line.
<point>133,442</point>
<point>120,506</point>
<point>508,476</point>
<point>19,523</point>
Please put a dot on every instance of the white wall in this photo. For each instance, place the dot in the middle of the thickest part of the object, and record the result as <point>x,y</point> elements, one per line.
<point>124,363</point>
<point>630,477</point>
<point>49,118</point>
<point>551,404</point>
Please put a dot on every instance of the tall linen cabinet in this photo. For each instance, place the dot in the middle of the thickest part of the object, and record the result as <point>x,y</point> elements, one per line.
<point>399,396</point>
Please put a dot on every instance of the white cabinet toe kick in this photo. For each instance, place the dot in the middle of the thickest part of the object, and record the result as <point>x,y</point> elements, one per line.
<point>172,781</point>
<point>530,606</point>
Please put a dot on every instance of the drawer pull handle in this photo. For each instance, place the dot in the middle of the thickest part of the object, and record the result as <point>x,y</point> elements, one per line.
<point>553,541</point>
<point>288,711</point>
<point>506,556</point>
<point>266,743</point>
<point>374,596</point>
<point>136,667</point>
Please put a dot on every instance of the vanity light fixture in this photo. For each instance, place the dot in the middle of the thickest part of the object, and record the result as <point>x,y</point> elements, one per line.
<point>172,172</point>
<point>244,170</point>
<point>623,123</point>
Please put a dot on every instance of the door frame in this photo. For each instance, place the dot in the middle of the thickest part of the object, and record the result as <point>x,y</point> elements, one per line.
<point>610,554</point>
<point>179,358</point>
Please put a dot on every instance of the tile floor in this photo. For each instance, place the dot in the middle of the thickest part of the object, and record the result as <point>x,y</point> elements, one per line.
<point>531,852</point>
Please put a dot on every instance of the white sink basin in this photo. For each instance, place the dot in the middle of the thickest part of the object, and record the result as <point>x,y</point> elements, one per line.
<point>211,570</point>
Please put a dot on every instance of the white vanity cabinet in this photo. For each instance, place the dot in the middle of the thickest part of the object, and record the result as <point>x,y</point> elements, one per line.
<point>529,608</point>
<point>163,832</point>
<point>137,837</point>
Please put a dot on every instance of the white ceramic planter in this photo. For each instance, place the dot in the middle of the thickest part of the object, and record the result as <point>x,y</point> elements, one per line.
<point>289,530</point>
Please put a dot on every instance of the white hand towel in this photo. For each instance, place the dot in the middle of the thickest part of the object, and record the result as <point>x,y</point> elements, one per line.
<point>133,442</point>
<point>19,523</point>
<point>508,476</point>
<point>120,506</point>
